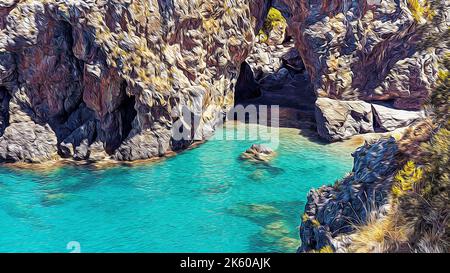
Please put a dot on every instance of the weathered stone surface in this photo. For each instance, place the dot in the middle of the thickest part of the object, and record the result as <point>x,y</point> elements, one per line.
<point>389,119</point>
<point>136,64</point>
<point>81,136</point>
<point>337,120</point>
<point>131,64</point>
<point>267,59</point>
<point>334,210</point>
<point>258,153</point>
<point>364,50</point>
<point>28,142</point>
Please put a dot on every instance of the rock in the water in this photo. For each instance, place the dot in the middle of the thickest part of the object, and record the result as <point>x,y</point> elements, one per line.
<point>389,119</point>
<point>333,210</point>
<point>258,153</point>
<point>337,120</point>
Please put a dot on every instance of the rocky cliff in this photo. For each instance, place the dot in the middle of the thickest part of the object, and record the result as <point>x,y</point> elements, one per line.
<point>337,209</point>
<point>93,79</point>
<point>395,199</point>
<point>365,49</point>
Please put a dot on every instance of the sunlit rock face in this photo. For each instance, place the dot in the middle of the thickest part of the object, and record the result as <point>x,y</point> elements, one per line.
<point>364,49</point>
<point>331,211</point>
<point>110,78</point>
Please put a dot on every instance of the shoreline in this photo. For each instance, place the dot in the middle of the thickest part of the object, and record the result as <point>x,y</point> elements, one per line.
<point>51,165</point>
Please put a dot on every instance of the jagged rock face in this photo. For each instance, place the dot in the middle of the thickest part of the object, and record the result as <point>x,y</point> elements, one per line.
<point>363,50</point>
<point>131,66</point>
<point>388,119</point>
<point>337,120</point>
<point>115,74</point>
<point>334,210</point>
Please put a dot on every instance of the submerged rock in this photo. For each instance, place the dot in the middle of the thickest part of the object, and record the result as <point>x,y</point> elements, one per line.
<point>256,210</point>
<point>258,153</point>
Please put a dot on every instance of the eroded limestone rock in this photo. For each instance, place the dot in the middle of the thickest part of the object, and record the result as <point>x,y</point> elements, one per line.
<point>365,49</point>
<point>337,120</point>
<point>334,210</point>
<point>389,119</point>
<point>28,142</point>
<point>135,64</point>
<point>132,64</point>
<point>258,153</point>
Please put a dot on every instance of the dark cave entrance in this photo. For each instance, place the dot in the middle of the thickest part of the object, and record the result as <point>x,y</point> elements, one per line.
<point>274,74</point>
<point>4,109</point>
<point>119,128</point>
<point>127,115</point>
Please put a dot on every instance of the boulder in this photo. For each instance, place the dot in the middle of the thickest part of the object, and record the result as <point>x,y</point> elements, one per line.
<point>389,119</point>
<point>258,153</point>
<point>28,142</point>
<point>338,120</point>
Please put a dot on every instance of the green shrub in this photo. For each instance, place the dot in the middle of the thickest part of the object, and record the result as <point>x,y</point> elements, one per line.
<point>274,20</point>
<point>406,179</point>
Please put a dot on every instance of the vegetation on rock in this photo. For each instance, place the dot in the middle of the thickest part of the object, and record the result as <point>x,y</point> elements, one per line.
<point>275,22</point>
<point>418,220</point>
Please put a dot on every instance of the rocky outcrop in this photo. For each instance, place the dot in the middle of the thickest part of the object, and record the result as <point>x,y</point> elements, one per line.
<point>114,76</point>
<point>365,50</point>
<point>28,142</point>
<point>337,120</point>
<point>258,153</point>
<point>388,119</point>
<point>135,66</point>
<point>334,210</point>
<point>266,60</point>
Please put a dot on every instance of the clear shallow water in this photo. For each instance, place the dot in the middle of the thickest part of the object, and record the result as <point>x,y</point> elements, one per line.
<point>203,200</point>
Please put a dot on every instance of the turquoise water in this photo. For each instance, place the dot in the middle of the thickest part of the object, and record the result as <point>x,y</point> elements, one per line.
<point>203,200</point>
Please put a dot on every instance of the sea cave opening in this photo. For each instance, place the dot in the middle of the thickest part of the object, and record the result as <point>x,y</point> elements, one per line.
<point>127,113</point>
<point>274,74</point>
